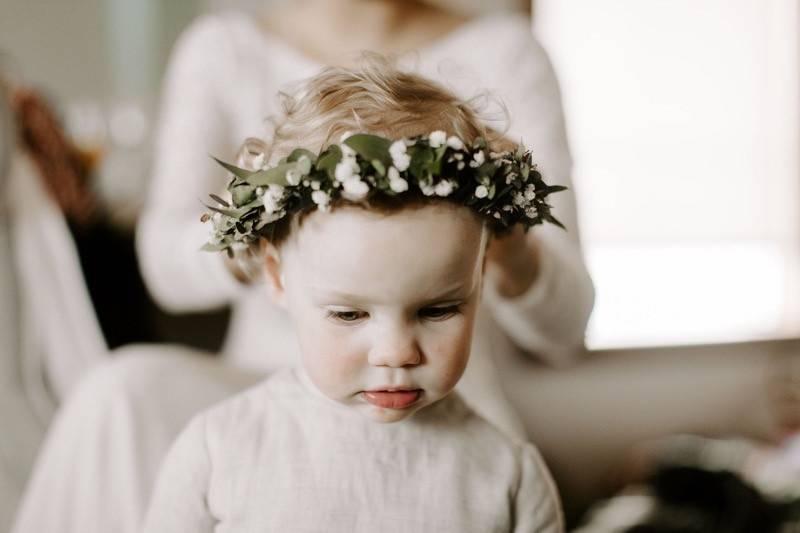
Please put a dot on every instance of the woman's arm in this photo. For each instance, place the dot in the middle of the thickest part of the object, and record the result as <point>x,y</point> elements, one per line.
<point>193,126</point>
<point>179,501</point>
<point>538,287</point>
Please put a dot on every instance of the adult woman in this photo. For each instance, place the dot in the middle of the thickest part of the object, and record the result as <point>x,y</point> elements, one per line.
<point>539,295</point>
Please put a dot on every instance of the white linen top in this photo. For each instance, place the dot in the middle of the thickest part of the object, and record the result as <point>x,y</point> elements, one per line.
<point>221,83</point>
<point>283,457</point>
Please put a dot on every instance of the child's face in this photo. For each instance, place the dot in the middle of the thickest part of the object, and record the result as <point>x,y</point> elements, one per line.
<point>383,305</point>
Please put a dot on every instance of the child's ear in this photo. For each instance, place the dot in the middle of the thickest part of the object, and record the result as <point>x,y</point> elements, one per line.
<point>274,274</point>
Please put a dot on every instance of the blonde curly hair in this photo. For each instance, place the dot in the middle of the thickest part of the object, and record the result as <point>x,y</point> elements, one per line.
<point>375,97</point>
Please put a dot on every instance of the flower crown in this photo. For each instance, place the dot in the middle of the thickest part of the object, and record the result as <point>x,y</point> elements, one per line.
<point>504,188</point>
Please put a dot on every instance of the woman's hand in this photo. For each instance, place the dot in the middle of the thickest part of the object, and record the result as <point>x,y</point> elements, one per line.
<point>515,260</point>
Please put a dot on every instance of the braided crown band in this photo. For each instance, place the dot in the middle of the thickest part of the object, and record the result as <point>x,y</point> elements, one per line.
<point>503,188</point>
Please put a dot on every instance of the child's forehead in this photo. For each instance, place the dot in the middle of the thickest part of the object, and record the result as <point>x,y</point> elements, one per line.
<point>427,249</point>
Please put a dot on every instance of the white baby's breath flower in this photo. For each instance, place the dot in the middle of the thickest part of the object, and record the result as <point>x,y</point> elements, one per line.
<point>355,189</point>
<point>477,159</point>
<point>292,176</point>
<point>315,185</point>
<point>437,138</point>
<point>259,191</point>
<point>272,198</point>
<point>427,189</point>
<point>530,192</point>
<point>481,191</point>
<point>455,143</point>
<point>347,151</point>
<point>400,159</point>
<point>346,169</point>
<point>460,165</point>
<point>396,183</point>
<point>321,198</point>
<point>444,188</point>
<point>530,212</point>
<point>519,199</point>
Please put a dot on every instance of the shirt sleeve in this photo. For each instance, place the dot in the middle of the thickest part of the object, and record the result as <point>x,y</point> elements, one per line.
<point>549,321</point>
<point>537,508</point>
<point>193,125</point>
<point>179,501</point>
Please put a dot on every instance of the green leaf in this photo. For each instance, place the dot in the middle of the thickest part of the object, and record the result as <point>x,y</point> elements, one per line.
<point>241,194</point>
<point>379,167</point>
<point>236,171</point>
<point>555,188</point>
<point>219,200</point>
<point>329,159</point>
<point>421,158</point>
<point>297,153</point>
<point>272,176</point>
<point>208,247</point>
<point>370,147</point>
<point>550,218</point>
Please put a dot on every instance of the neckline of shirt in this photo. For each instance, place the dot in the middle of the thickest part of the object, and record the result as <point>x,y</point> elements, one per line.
<point>430,49</point>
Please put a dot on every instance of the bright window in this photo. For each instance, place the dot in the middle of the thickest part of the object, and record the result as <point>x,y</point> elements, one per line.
<point>683,123</point>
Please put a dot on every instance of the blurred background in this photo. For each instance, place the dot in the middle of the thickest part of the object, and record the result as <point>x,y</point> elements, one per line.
<point>684,125</point>
<point>684,114</point>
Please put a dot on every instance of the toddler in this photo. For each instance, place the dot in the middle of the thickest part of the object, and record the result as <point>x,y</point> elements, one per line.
<point>375,245</point>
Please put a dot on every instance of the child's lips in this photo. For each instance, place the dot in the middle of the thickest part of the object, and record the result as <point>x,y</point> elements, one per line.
<point>392,399</point>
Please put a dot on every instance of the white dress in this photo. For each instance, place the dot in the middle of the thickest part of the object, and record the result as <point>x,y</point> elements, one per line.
<point>282,457</point>
<point>99,461</point>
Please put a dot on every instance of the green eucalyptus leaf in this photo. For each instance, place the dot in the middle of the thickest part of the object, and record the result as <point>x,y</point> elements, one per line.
<point>329,159</point>
<point>219,200</point>
<point>208,247</point>
<point>553,220</point>
<point>421,158</point>
<point>241,173</point>
<point>379,167</point>
<point>271,176</point>
<point>297,153</point>
<point>242,194</point>
<point>370,147</point>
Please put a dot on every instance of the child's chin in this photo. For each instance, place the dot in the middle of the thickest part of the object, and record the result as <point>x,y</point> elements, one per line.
<point>387,416</point>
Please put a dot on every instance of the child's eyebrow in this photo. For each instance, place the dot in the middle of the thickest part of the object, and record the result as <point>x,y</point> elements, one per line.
<point>454,292</point>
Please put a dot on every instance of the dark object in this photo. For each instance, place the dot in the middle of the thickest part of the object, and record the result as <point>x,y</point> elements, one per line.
<point>124,309</point>
<point>693,500</point>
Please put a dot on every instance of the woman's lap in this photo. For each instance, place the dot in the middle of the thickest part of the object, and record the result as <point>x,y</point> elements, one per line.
<point>101,455</point>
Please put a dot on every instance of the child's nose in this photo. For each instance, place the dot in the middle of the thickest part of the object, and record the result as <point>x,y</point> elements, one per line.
<point>396,348</point>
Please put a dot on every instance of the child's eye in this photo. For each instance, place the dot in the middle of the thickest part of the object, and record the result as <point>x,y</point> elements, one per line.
<point>346,316</point>
<point>438,313</point>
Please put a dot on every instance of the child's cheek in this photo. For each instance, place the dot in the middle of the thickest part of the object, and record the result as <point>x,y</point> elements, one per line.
<point>333,363</point>
<point>451,353</point>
